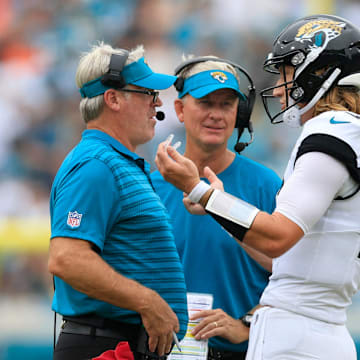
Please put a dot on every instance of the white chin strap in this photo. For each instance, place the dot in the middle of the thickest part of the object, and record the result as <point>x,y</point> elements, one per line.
<point>292,116</point>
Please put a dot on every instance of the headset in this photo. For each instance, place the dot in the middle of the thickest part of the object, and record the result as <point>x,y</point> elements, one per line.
<point>245,107</point>
<point>113,78</point>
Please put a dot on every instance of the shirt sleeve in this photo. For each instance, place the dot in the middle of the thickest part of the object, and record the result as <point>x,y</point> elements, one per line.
<point>307,194</point>
<point>84,204</point>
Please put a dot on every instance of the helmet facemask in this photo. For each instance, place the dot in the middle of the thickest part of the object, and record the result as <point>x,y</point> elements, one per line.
<point>293,92</point>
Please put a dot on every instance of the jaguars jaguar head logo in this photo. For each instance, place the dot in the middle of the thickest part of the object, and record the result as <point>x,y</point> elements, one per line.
<point>219,76</point>
<point>320,32</point>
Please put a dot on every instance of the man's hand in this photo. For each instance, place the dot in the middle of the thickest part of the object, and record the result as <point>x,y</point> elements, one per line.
<point>176,169</point>
<point>218,323</point>
<point>193,208</point>
<point>159,321</point>
<point>215,182</point>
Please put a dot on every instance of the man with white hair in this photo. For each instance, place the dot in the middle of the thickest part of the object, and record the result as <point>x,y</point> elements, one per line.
<point>112,253</point>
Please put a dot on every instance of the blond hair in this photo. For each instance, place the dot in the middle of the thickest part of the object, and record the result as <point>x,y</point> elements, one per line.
<point>205,66</point>
<point>94,64</point>
<point>340,98</point>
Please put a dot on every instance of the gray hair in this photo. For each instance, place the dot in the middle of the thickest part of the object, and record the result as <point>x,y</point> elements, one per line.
<point>94,64</point>
<point>205,66</point>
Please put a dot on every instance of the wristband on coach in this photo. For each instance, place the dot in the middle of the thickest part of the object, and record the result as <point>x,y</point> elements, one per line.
<point>231,209</point>
<point>198,191</point>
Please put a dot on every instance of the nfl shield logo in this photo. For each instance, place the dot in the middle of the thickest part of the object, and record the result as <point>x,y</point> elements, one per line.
<point>74,219</point>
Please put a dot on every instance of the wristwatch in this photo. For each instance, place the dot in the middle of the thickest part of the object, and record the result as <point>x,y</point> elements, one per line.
<point>246,319</point>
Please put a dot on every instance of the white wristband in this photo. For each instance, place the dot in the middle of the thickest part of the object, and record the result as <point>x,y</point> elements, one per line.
<point>198,191</point>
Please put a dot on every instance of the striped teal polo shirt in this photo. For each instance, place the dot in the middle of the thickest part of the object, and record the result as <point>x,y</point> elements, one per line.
<point>102,193</point>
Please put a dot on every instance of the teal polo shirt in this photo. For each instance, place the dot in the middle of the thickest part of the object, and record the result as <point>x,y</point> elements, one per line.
<point>102,193</point>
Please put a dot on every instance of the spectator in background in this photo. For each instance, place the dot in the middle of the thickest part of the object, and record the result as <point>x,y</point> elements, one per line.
<point>112,251</point>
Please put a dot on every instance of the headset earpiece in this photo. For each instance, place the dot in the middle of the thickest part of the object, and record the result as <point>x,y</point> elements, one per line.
<point>179,84</point>
<point>242,116</point>
<point>113,77</point>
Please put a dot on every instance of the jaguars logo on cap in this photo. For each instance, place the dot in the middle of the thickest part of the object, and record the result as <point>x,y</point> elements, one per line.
<point>219,76</point>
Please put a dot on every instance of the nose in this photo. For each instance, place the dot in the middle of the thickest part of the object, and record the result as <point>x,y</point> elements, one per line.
<point>216,113</point>
<point>278,91</point>
<point>158,102</point>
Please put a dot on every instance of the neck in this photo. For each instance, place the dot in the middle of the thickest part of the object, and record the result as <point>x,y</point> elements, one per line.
<point>102,125</point>
<point>217,159</point>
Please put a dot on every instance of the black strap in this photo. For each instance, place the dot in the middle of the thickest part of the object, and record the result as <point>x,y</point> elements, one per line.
<point>217,354</point>
<point>234,229</point>
<point>335,147</point>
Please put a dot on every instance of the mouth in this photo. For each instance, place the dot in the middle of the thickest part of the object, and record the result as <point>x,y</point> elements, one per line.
<point>214,128</point>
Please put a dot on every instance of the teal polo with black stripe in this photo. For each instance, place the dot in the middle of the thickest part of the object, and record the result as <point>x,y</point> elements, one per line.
<point>102,193</point>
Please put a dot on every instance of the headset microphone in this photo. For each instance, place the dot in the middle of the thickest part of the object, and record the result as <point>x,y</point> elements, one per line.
<point>240,146</point>
<point>160,115</point>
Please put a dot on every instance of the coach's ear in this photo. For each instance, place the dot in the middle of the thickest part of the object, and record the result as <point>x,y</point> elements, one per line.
<point>179,109</point>
<point>113,99</point>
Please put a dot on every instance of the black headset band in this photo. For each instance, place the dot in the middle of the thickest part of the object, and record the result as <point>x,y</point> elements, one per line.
<point>196,60</point>
<point>117,62</point>
<point>114,77</point>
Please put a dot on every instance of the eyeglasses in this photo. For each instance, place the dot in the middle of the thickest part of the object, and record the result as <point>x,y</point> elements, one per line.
<point>154,94</point>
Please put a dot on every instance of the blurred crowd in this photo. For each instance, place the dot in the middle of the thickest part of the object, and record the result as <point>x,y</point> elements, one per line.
<point>40,44</point>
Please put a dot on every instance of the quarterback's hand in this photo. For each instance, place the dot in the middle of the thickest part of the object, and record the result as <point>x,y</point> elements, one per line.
<point>217,323</point>
<point>214,181</point>
<point>175,168</point>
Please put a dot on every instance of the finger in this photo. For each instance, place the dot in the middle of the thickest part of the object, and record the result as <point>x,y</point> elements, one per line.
<point>153,343</point>
<point>168,140</point>
<point>207,334</point>
<point>210,175</point>
<point>193,208</point>
<point>175,155</point>
<point>187,202</point>
<point>162,345</point>
<point>201,314</point>
<point>160,151</point>
<point>177,145</point>
<point>162,160</point>
<point>169,344</point>
<point>210,328</point>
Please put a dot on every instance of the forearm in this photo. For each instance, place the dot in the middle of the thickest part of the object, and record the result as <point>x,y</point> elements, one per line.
<point>270,234</point>
<point>85,271</point>
<point>264,260</point>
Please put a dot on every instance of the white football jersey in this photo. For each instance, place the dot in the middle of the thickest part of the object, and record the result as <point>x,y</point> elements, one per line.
<point>319,275</point>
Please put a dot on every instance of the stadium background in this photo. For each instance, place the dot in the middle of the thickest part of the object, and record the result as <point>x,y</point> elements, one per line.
<point>40,44</point>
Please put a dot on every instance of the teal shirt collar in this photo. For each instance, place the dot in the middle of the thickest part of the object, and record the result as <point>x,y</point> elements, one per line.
<point>117,145</point>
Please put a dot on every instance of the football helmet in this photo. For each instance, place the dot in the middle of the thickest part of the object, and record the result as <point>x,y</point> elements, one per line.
<point>318,42</point>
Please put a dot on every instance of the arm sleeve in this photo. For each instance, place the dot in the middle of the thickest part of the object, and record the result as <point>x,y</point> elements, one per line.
<point>90,191</point>
<point>309,191</point>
